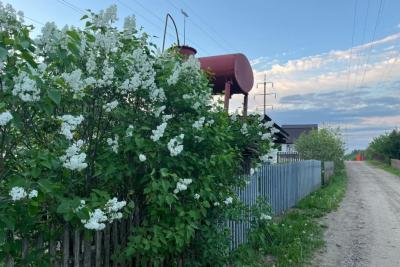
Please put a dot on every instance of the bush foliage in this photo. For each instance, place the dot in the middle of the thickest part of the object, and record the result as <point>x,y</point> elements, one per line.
<point>323,144</point>
<point>385,147</point>
<point>96,124</point>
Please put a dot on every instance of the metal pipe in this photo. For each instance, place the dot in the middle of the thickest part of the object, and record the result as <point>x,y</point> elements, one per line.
<point>165,30</point>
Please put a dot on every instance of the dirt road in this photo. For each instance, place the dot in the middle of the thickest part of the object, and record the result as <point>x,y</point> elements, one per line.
<point>365,230</point>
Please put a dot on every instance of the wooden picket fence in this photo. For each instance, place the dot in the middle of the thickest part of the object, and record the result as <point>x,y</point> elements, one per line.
<point>74,248</point>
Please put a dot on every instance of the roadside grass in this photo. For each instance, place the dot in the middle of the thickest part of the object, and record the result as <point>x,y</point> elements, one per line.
<point>292,238</point>
<point>384,166</point>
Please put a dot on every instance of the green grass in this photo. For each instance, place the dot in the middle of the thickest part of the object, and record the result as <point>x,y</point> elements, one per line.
<point>384,167</point>
<point>291,239</point>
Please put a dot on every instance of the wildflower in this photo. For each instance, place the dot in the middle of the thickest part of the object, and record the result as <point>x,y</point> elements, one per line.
<point>74,159</point>
<point>175,146</point>
<point>33,194</point>
<point>159,132</point>
<point>142,157</point>
<point>228,200</point>
<point>108,107</point>
<point>17,193</point>
<point>5,117</point>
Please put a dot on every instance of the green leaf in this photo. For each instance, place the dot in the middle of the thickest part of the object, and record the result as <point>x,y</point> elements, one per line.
<point>55,96</point>
<point>3,52</point>
<point>28,57</point>
<point>84,17</point>
<point>74,35</point>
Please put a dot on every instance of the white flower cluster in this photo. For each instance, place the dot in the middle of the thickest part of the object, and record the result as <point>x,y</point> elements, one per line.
<point>113,143</point>
<point>74,159</point>
<point>106,17</point>
<point>265,217</point>
<point>129,131</point>
<point>69,124</point>
<point>199,98</point>
<point>199,123</point>
<point>175,146</point>
<point>25,88</point>
<point>17,193</point>
<point>8,16</point>
<point>191,65</point>
<point>158,111</point>
<point>196,196</point>
<point>142,157</point>
<point>99,217</point>
<point>108,107</point>
<point>108,75</point>
<point>113,207</point>
<point>74,81</point>
<point>182,185</point>
<point>228,200</point>
<point>265,136</point>
<point>5,117</point>
<point>267,124</point>
<point>271,157</point>
<point>159,132</point>
<point>244,129</point>
<point>129,27</point>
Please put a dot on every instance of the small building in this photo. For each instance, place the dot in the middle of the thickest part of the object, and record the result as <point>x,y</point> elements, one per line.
<point>294,131</point>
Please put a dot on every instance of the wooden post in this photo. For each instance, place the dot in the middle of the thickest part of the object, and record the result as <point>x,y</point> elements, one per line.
<point>87,257</point>
<point>66,246</point>
<point>98,249</point>
<point>227,95</point>
<point>107,246</point>
<point>77,246</point>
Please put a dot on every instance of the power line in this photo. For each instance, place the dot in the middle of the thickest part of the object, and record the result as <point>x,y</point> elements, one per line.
<point>362,41</point>
<point>202,30</point>
<point>352,42</point>
<point>373,39</point>
<point>34,20</point>
<point>157,17</point>
<point>72,6</point>
<point>207,24</point>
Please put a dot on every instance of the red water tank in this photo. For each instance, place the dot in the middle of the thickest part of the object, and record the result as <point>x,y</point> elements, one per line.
<point>235,68</point>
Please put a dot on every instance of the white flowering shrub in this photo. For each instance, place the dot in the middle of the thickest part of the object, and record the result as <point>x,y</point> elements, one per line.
<point>95,121</point>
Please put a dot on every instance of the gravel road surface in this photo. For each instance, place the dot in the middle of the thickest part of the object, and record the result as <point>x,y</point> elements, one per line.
<point>365,230</point>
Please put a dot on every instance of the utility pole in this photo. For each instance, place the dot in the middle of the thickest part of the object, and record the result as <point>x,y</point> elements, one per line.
<point>264,84</point>
<point>185,15</point>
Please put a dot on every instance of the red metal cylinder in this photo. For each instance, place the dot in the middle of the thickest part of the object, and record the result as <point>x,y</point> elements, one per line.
<point>235,68</point>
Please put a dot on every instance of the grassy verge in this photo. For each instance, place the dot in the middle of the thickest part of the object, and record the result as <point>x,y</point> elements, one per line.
<point>291,239</point>
<point>384,167</point>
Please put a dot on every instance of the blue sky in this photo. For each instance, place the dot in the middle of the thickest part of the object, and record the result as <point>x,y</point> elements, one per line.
<point>326,69</point>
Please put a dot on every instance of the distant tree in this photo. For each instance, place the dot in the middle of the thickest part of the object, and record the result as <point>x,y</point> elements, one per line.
<point>323,144</point>
<point>385,147</point>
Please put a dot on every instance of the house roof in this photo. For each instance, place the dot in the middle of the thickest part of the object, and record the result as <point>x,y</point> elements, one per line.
<point>295,130</point>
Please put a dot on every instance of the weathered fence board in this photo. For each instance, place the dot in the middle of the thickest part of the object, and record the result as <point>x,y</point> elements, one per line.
<point>328,171</point>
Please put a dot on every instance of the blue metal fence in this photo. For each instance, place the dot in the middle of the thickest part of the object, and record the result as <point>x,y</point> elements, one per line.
<point>282,184</point>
